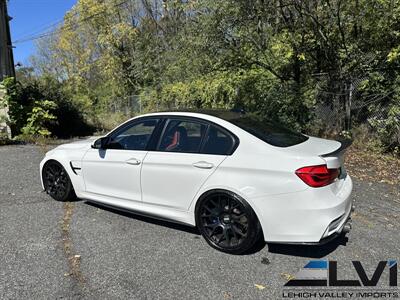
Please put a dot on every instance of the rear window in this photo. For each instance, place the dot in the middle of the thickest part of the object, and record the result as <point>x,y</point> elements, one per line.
<point>270,132</point>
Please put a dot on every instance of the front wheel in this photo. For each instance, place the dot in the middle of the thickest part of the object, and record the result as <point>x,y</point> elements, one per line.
<point>56,181</point>
<point>227,222</point>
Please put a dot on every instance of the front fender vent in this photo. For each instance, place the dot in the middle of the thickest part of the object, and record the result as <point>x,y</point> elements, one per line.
<point>75,168</point>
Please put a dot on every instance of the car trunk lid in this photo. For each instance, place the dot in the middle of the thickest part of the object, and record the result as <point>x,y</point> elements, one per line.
<point>332,152</point>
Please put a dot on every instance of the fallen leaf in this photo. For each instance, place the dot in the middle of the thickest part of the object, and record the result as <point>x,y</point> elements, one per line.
<point>259,286</point>
<point>287,276</point>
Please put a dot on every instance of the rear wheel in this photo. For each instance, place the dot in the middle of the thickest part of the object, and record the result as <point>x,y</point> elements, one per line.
<point>56,182</point>
<point>227,222</point>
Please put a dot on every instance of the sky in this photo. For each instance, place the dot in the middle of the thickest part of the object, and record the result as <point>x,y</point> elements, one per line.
<point>30,17</point>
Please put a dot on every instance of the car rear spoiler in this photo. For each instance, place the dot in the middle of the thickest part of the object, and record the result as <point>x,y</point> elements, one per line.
<point>335,159</point>
<point>344,145</point>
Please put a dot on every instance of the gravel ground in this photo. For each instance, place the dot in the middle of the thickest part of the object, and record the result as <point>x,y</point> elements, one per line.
<point>50,250</point>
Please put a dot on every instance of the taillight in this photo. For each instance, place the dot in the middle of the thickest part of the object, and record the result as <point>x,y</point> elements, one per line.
<point>317,176</point>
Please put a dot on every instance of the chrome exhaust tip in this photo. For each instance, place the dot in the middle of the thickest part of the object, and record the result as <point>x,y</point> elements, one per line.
<point>347,226</point>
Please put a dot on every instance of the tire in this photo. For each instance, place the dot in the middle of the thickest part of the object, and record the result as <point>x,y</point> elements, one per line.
<point>57,182</point>
<point>227,222</point>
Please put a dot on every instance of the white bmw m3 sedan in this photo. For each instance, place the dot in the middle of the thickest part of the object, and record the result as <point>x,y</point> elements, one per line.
<point>237,178</point>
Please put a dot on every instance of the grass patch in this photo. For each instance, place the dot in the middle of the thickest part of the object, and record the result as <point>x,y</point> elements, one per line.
<point>5,140</point>
<point>74,260</point>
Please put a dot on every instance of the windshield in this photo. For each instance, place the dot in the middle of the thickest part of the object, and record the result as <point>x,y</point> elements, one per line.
<point>270,132</point>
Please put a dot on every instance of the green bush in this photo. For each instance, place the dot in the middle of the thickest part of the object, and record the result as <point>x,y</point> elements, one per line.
<point>29,115</point>
<point>39,118</point>
<point>254,90</point>
<point>19,102</point>
<point>388,129</point>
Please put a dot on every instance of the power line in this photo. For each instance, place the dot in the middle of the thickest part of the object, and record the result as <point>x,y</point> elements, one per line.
<point>40,30</point>
<point>70,27</point>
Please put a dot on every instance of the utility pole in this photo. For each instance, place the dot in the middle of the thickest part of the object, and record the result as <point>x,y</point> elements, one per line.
<point>6,50</point>
<point>6,64</point>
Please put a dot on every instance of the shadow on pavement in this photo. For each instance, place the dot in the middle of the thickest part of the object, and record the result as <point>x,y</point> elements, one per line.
<point>151,220</point>
<point>312,251</point>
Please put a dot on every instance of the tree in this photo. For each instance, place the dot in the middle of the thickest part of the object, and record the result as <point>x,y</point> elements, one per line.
<point>277,58</point>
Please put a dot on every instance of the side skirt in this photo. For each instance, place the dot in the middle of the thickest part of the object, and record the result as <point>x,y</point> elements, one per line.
<point>142,209</point>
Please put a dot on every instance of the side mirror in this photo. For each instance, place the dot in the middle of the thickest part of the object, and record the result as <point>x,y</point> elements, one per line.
<point>100,143</point>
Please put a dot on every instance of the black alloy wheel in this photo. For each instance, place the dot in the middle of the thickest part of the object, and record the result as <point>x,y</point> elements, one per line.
<point>227,222</point>
<point>56,182</point>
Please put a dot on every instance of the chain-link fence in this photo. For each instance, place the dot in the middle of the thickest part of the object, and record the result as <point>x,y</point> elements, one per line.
<point>339,107</point>
<point>344,106</point>
<point>128,106</point>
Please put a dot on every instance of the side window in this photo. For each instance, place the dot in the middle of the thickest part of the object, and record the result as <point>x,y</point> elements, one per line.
<point>134,137</point>
<point>217,142</point>
<point>182,136</point>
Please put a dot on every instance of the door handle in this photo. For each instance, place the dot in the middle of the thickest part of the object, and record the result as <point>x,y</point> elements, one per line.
<point>203,165</point>
<point>133,161</point>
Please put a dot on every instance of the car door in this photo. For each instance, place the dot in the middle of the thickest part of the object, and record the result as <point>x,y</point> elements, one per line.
<point>185,157</point>
<point>115,171</point>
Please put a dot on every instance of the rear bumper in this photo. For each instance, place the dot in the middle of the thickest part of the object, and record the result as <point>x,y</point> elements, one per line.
<point>341,224</point>
<point>313,216</point>
<point>345,228</point>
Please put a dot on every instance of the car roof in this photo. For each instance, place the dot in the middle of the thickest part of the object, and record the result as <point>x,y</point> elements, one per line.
<point>223,114</point>
<point>219,116</point>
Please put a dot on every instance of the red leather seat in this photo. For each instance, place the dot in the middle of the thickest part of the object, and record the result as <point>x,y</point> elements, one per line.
<point>179,139</point>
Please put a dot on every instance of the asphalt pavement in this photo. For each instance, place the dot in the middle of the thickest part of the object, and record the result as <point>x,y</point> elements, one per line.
<point>53,250</point>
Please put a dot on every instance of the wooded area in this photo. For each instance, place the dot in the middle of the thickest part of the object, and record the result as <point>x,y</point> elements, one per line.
<point>282,59</point>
